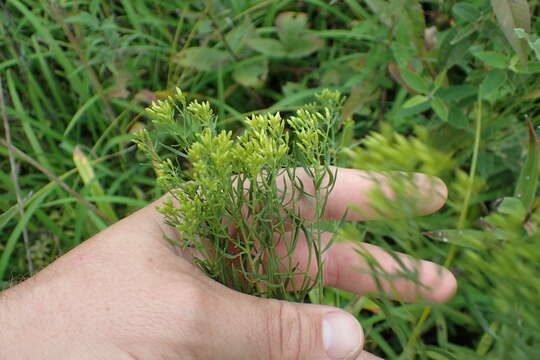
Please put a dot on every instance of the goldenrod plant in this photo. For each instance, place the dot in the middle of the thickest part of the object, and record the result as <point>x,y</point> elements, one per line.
<point>217,181</point>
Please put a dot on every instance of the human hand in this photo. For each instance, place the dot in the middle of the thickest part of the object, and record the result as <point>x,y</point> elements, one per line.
<point>126,293</point>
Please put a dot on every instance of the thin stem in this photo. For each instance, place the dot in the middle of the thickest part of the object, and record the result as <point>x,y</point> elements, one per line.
<point>74,42</point>
<point>15,179</point>
<point>57,180</point>
<point>461,223</point>
<point>472,171</point>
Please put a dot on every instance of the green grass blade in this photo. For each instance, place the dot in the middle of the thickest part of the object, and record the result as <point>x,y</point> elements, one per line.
<point>528,178</point>
<point>17,231</point>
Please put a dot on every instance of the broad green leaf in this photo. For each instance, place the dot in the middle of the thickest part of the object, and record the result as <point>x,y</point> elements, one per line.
<point>466,12</point>
<point>292,32</point>
<point>413,110</point>
<point>237,37</point>
<point>252,74</point>
<point>532,68</point>
<point>269,47</point>
<point>512,206</point>
<point>439,80</point>
<point>494,80</point>
<point>292,89</point>
<point>415,100</point>
<point>415,81</point>
<point>528,178</point>
<point>202,58</point>
<point>455,46</point>
<point>457,118</point>
<point>440,108</point>
<point>512,14</point>
<point>492,58</point>
<point>308,45</point>
<point>457,92</point>
<point>464,32</point>
<point>291,26</point>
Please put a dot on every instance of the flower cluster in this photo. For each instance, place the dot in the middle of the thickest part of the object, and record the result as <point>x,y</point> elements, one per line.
<point>236,199</point>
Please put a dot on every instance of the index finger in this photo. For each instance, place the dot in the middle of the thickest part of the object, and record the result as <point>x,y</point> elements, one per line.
<point>349,197</point>
<point>353,188</point>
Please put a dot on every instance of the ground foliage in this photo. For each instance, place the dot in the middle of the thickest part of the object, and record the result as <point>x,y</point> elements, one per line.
<point>443,87</point>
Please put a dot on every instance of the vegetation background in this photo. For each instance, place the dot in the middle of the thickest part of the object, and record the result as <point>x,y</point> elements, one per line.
<point>442,87</point>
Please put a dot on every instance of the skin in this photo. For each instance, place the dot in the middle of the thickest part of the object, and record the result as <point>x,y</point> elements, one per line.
<point>128,294</point>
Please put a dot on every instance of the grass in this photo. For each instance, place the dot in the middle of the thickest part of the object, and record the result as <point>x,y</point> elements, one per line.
<point>431,86</point>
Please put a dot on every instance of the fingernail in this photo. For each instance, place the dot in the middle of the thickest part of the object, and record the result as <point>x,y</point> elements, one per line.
<point>342,336</point>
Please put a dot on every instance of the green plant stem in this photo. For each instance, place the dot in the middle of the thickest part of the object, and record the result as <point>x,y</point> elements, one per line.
<point>472,172</point>
<point>57,180</point>
<point>15,179</point>
<point>461,223</point>
<point>92,75</point>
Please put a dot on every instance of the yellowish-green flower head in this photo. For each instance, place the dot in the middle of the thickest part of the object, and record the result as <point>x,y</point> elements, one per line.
<point>220,182</point>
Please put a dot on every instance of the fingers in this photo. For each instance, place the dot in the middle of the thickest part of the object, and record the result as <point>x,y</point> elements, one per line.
<point>365,268</point>
<point>353,188</point>
<point>368,269</point>
<point>254,328</point>
<point>351,196</point>
<point>344,267</point>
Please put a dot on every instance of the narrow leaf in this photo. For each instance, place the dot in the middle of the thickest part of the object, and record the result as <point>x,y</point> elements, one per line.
<point>441,109</point>
<point>528,178</point>
<point>465,11</point>
<point>269,47</point>
<point>7,215</point>
<point>415,81</point>
<point>492,58</point>
<point>202,58</point>
<point>86,171</point>
<point>492,82</point>
<point>466,238</point>
<point>415,100</point>
<point>486,341</point>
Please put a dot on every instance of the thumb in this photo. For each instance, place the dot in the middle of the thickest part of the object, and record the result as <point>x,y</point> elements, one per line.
<point>270,329</point>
